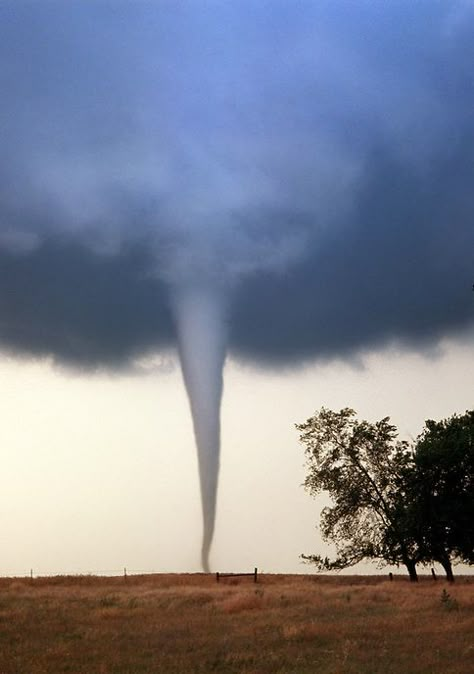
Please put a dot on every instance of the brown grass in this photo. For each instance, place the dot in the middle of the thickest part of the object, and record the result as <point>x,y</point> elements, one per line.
<point>180,624</point>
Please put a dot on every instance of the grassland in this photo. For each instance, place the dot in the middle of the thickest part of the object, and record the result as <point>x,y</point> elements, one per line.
<point>189,623</point>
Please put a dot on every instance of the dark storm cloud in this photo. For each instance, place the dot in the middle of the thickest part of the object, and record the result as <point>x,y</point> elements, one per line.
<point>403,270</point>
<point>84,308</point>
<point>315,159</point>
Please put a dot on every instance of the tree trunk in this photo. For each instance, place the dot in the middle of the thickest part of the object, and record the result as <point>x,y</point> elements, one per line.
<point>448,569</point>
<point>411,566</point>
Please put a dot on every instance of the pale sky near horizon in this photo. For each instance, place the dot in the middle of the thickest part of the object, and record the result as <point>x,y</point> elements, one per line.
<point>99,472</point>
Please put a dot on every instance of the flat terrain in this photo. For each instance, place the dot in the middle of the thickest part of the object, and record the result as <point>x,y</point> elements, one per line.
<point>179,624</point>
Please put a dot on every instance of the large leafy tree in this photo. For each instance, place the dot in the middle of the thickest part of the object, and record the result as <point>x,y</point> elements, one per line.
<point>442,493</point>
<point>364,469</point>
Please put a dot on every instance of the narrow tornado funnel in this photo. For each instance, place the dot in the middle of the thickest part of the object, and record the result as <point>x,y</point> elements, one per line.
<point>201,327</point>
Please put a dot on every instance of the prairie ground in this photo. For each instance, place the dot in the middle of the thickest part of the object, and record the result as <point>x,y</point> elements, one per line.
<point>180,624</point>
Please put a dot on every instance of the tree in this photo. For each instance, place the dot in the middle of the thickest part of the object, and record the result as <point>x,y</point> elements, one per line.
<point>364,469</point>
<point>442,501</point>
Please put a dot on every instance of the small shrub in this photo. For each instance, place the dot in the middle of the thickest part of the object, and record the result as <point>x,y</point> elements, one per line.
<point>109,601</point>
<point>448,602</point>
<point>132,602</point>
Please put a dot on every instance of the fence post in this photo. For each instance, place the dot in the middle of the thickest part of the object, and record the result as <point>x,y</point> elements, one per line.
<point>433,574</point>
<point>125,573</point>
<point>255,575</point>
<point>217,577</point>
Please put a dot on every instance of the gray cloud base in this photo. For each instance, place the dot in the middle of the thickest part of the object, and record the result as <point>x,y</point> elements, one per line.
<point>402,271</point>
<point>317,161</point>
<point>82,308</point>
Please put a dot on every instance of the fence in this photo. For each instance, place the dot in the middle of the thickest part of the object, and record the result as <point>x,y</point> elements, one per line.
<point>107,573</point>
<point>233,575</point>
<point>111,573</point>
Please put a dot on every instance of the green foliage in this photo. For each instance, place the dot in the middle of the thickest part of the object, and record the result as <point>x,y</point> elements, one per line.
<point>363,467</point>
<point>448,602</point>
<point>444,488</point>
<point>391,502</point>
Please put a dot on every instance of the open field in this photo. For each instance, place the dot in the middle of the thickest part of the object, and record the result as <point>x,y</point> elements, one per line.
<point>189,623</point>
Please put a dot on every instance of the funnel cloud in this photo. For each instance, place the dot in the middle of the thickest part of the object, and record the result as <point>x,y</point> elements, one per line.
<point>201,328</point>
<point>282,183</point>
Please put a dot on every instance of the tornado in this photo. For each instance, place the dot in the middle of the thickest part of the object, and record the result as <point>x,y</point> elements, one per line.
<point>200,318</point>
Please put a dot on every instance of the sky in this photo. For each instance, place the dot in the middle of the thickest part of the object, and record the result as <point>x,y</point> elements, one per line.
<point>287,185</point>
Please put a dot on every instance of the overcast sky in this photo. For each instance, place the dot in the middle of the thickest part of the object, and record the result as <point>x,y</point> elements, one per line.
<point>312,164</point>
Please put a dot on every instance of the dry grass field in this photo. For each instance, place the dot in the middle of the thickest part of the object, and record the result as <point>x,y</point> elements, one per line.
<point>189,623</point>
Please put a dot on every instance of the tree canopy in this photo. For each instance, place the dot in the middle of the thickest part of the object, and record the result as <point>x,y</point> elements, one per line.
<point>393,502</point>
<point>444,490</point>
